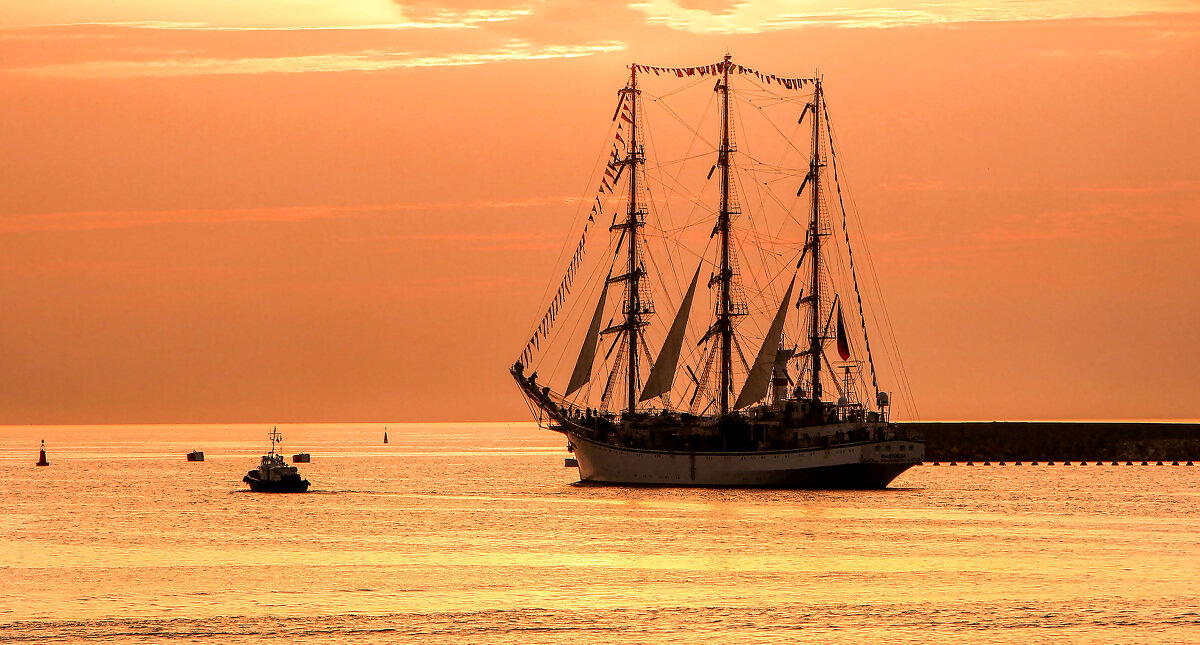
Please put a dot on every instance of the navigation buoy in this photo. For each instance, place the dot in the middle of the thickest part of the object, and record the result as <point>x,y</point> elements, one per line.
<point>385,434</point>
<point>42,458</point>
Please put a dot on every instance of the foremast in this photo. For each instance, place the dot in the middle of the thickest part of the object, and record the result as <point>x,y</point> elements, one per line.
<point>630,228</point>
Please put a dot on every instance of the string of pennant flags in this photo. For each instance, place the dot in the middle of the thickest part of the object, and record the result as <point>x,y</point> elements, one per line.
<point>719,68</point>
<point>564,289</point>
<point>612,171</point>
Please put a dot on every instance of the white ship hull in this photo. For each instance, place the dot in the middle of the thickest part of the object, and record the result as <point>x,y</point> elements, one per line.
<point>862,465</point>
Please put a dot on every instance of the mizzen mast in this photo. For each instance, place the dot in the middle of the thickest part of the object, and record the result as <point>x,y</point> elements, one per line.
<point>816,338</point>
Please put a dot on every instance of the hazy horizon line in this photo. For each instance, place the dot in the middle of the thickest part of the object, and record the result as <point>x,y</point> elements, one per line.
<point>525,421</point>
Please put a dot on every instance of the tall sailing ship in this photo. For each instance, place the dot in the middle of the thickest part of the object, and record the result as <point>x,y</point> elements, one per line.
<point>791,418</point>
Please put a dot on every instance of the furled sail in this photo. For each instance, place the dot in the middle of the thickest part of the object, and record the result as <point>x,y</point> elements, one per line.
<point>583,366</point>
<point>759,378</point>
<point>662,375</point>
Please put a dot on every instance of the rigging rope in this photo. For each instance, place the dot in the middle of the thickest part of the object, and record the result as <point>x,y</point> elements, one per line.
<point>755,181</point>
<point>850,252</point>
<point>564,288</point>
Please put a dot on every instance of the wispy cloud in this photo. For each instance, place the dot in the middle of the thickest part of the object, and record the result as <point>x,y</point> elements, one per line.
<point>445,19</point>
<point>1097,54</point>
<point>40,35</point>
<point>122,219</point>
<point>504,241</point>
<point>1151,188</point>
<point>775,15</point>
<point>914,185</point>
<point>259,14</point>
<point>362,61</point>
<point>1109,222</point>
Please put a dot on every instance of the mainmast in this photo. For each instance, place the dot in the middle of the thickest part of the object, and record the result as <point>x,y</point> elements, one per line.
<point>725,306</point>
<point>816,337</point>
<point>633,222</point>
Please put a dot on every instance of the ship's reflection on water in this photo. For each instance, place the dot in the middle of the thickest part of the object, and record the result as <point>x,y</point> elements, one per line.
<point>475,533</point>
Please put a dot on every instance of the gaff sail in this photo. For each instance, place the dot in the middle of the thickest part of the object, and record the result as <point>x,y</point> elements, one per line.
<point>759,379</point>
<point>662,375</point>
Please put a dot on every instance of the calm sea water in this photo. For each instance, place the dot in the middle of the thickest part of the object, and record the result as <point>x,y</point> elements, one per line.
<point>464,533</point>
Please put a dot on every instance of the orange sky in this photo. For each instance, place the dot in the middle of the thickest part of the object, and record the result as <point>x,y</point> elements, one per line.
<point>318,210</point>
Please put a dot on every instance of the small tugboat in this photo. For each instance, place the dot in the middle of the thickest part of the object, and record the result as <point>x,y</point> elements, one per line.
<point>273,475</point>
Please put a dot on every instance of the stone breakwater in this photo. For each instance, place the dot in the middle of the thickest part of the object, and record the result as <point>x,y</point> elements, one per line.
<point>1058,440</point>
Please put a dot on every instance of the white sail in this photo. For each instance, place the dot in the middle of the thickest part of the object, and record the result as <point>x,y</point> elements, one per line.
<point>759,378</point>
<point>662,375</point>
<point>587,354</point>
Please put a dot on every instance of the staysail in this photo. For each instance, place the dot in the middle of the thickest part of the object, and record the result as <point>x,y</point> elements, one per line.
<point>759,378</point>
<point>587,354</point>
<point>662,375</point>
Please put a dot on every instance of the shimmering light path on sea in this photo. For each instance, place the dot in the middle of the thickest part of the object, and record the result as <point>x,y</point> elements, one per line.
<point>474,533</point>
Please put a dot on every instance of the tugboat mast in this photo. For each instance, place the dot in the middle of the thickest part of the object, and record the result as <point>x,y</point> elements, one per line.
<point>725,306</point>
<point>816,337</point>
